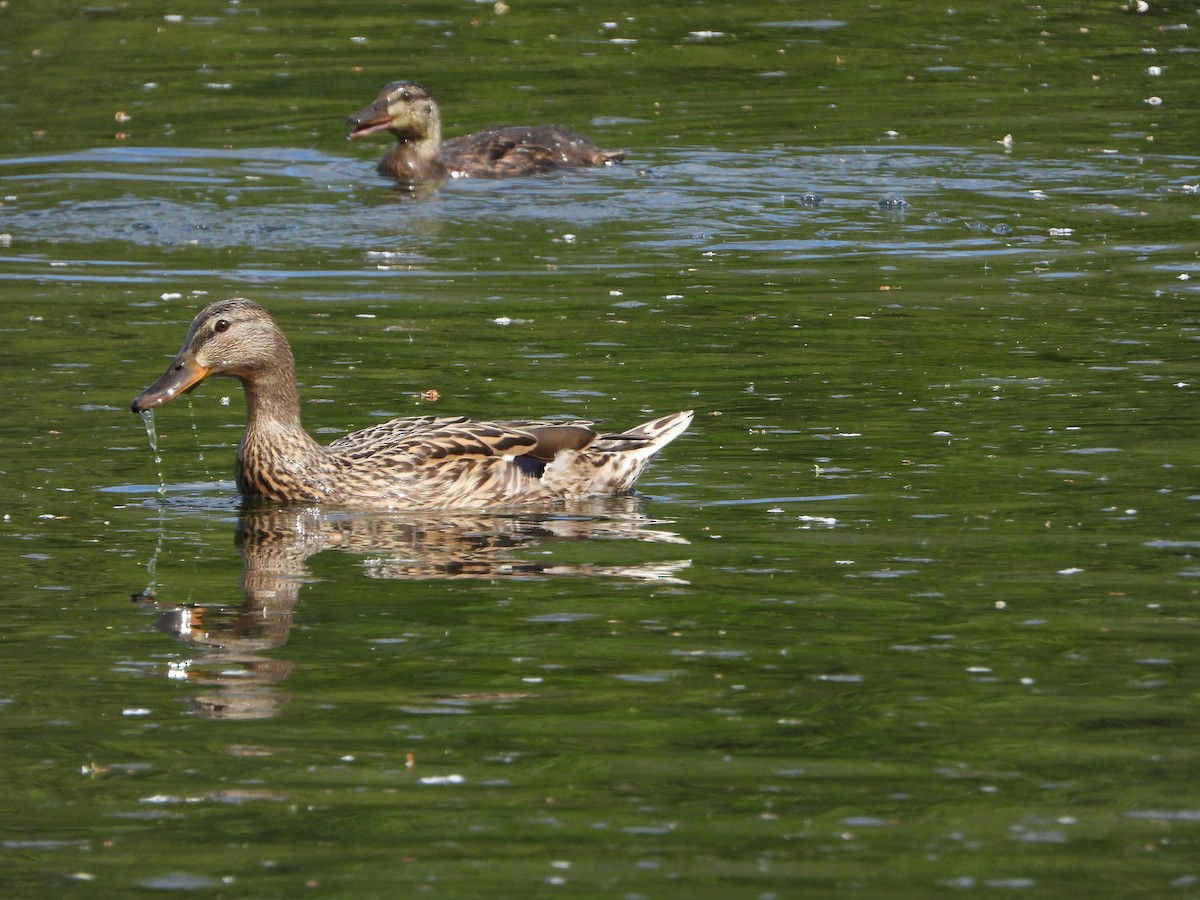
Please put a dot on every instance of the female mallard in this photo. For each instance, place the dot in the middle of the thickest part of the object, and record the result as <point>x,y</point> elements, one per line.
<point>406,110</point>
<point>420,462</point>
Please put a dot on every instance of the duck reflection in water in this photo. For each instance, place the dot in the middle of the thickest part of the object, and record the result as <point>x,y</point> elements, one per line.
<point>238,681</point>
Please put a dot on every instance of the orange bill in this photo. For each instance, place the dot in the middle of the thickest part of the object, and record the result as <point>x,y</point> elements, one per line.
<point>183,375</point>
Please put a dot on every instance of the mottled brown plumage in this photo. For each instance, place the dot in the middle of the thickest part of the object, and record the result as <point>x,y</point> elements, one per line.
<point>418,462</point>
<point>405,109</point>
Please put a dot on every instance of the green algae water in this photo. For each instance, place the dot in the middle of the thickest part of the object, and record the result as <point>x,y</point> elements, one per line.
<point>911,608</point>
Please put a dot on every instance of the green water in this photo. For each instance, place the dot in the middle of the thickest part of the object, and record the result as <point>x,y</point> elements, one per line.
<point>909,611</point>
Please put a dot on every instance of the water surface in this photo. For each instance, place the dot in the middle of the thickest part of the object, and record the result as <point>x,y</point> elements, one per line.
<point>911,608</point>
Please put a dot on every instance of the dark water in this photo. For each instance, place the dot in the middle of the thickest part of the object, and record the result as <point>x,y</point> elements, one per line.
<point>911,609</point>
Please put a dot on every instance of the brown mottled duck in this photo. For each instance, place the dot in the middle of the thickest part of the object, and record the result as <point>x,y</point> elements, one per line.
<point>406,110</point>
<point>418,462</point>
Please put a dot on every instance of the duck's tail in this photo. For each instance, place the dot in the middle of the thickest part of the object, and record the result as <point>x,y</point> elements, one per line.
<point>613,462</point>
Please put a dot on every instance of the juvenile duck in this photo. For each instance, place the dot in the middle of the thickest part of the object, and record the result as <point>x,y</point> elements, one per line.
<point>406,110</point>
<point>419,462</point>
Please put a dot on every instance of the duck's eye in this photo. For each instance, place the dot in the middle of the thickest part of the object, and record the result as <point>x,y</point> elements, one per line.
<point>406,96</point>
<point>221,326</point>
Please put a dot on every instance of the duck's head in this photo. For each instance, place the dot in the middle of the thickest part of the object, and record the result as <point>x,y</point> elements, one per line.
<point>235,337</point>
<point>404,108</point>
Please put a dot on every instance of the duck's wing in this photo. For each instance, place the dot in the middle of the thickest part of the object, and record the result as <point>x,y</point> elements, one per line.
<point>429,439</point>
<point>504,150</point>
<point>420,437</point>
<point>389,435</point>
<point>449,461</point>
<point>553,437</point>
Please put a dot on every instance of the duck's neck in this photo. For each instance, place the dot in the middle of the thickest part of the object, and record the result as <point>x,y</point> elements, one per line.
<point>273,401</point>
<point>277,458</point>
<point>415,157</point>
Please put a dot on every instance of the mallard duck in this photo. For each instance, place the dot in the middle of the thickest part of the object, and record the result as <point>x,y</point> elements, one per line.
<point>418,462</point>
<point>406,110</point>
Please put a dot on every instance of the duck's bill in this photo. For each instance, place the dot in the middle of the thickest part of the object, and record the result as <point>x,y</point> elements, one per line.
<point>183,375</point>
<point>368,120</point>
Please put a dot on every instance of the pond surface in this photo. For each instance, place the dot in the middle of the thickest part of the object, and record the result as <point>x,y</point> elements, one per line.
<point>910,610</point>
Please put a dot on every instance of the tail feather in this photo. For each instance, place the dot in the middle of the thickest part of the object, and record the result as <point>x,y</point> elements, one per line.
<point>614,462</point>
<point>651,436</point>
